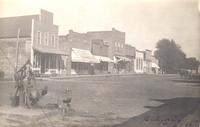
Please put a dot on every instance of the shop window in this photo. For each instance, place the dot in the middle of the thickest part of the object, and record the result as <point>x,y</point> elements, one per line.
<point>53,61</point>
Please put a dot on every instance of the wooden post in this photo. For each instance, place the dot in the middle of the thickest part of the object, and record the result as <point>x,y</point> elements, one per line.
<point>17,50</point>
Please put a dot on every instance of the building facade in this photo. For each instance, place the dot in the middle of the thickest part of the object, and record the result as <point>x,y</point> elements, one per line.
<point>116,41</point>
<point>129,52</point>
<point>147,61</point>
<point>79,47</point>
<point>106,46</point>
<point>38,41</point>
<point>100,50</point>
<point>139,62</point>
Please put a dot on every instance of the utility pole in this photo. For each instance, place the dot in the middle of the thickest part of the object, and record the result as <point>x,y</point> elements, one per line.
<point>17,51</point>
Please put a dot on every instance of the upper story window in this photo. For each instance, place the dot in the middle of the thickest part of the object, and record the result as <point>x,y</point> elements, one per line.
<point>46,38</point>
<point>115,44</point>
<point>119,45</point>
<point>38,37</point>
<point>122,46</point>
<point>53,40</point>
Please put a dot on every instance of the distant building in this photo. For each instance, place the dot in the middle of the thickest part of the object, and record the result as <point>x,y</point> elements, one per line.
<point>100,50</point>
<point>154,65</point>
<point>147,61</point>
<point>78,45</point>
<point>106,46</point>
<point>130,53</point>
<point>38,41</point>
<point>139,62</point>
<point>116,41</point>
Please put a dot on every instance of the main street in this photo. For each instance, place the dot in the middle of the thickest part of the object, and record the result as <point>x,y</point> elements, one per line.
<point>105,101</point>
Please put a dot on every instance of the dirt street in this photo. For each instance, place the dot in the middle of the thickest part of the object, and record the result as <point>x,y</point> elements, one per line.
<point>125,101</point>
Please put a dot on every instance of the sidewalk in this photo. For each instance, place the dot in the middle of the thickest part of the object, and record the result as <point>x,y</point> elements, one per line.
<point>64,77</point>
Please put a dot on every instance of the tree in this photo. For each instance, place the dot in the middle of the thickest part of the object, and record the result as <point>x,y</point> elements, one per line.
<point>191,63</point>
<point>170,56</point>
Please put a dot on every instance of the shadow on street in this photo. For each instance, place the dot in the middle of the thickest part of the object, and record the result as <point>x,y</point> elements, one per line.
<point>176,112</point>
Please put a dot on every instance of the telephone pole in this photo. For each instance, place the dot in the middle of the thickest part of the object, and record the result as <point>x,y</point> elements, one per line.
<point>17,49</point>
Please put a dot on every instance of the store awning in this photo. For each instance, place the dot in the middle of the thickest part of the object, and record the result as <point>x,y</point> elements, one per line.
<point>104,59</point>
<point>49,50</point>
<point>85,56</point>
<point>122,58</point>
<point>153,65</point>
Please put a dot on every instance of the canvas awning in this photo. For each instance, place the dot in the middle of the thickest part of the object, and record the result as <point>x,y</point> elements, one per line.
<point>104,59</point>
<point>121,58</point>
<point>49,50</point>
<point>85,56</point>
<point>153,65</point>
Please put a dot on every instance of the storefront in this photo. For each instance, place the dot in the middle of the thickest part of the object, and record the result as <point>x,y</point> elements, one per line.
<point>102,67</point>
<point>47,61</point>
<point>83,62</point>
<point>122,63</point>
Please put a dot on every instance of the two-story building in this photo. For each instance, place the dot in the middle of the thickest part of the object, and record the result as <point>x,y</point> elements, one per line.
<point>139,61</point>
<point>100,50</point>
<point>129,52</point>
<point>79,47</point>
<point>116,41</point>
<point>38,41</point>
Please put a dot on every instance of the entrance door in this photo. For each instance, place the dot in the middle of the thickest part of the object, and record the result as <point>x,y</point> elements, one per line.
<point>42,63</point>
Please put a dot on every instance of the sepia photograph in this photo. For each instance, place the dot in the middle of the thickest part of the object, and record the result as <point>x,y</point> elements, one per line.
<point>99,63</point>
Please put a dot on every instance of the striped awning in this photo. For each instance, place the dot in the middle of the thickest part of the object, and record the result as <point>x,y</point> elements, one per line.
<point>104,59</point>
<point>121,58</point>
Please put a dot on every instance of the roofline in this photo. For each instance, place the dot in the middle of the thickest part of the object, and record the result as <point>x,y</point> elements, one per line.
<point>18,16</point>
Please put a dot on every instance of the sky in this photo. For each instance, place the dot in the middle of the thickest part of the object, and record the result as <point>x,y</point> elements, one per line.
<point>144,21</point>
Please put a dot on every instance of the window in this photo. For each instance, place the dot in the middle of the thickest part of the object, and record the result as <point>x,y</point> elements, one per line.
<point>52,61</point>
<point>139,64</point>
<point>115,44</point>
<point>38,37</point>
<point>122,45</point>
<point>53,40</point>
<point>46,38</point>
<point>119,45</point>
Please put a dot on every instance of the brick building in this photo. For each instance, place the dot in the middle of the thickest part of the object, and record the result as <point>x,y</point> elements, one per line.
<point>130,53</point>
<point>154,65</point>
<point>100,50</point>
<point>116,41</point>
<point>79,47</point>
<point>38,41</point>
<point>104,45</point>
